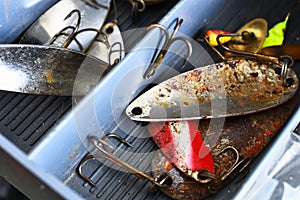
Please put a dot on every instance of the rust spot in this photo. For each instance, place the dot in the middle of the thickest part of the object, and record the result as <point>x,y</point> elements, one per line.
<point>167,165</point>
<point>164,104</point>
<point>49,77</point>
<point>254,74</point>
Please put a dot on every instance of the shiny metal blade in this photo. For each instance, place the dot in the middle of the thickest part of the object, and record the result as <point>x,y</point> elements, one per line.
<point>48,70</point>
<point>93,15</point>
<point>230,88</point>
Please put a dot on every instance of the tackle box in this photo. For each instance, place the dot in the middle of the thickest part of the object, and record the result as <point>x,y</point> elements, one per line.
<point>44,138</point>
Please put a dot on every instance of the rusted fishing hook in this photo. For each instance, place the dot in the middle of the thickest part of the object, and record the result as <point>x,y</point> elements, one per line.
<point>74,30</point>
<point>158,57</point>
<point>102,146</point>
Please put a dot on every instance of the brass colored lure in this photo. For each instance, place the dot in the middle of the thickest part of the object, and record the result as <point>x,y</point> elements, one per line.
<point>252,36</point>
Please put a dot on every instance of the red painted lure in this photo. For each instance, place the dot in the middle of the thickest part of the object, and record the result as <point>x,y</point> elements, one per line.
<point>200,159</point>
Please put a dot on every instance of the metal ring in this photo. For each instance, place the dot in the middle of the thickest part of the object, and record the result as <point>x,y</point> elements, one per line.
<point>287,61</point>
<point>284,72</point>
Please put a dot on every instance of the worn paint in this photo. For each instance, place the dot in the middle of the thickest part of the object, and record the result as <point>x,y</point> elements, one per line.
<point>183,145</point>
<point>248,134</point>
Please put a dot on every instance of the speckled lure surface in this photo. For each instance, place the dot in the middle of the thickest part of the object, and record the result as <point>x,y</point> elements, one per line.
<point>199,167</point>
<point>229,88</point>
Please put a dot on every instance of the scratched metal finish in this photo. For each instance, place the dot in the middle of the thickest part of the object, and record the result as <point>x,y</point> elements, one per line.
<point>229,88</point>
<point>249,134</point>
<point>48,70</point>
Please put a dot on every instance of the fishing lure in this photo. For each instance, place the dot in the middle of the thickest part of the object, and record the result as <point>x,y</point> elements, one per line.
<point>225,153</point>
<point>250,37</point>
<point>276,33</point>
<point>211,36</point>
<point>229,88</point>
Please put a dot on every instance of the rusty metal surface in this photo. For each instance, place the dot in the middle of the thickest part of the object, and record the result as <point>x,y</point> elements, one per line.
<point>182,186</point>
<point>229,88</point>
<point>247,134</point>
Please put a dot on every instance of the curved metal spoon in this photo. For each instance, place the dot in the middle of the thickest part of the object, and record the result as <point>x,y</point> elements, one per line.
<point>46,70</point>
<point>259,28</point>
<point>229,88</point>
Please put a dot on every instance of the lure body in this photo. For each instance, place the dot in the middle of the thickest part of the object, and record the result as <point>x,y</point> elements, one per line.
<point>257,31</point>
<point>240,140</point>
<point>230,88</point>
<point>183,145</point>
<point>46,70</point>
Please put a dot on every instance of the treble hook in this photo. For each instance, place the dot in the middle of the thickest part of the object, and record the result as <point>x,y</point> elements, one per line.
<point>85,160</point>
<point>73,29</point>
<point>103,40</point>
<point>237,163</point>
<point>99,32</point>
<point>169,40</point>
<point>101,145</point>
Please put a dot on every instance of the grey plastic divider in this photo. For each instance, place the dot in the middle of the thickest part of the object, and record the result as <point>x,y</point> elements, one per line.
<point>28,177</point>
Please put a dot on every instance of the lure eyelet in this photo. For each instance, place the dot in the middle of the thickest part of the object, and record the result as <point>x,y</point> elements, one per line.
<point>137,111</point>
